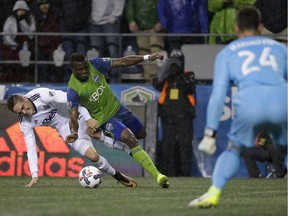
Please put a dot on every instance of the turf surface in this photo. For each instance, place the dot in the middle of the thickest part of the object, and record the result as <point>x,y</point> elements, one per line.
<point>64,196</point>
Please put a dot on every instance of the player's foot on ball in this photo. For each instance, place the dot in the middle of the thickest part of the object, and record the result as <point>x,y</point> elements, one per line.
<point>125,180</point>
<point>163,181</point>
<point>207,200</point>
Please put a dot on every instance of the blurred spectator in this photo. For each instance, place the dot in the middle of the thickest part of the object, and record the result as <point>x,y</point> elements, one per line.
<point>183,17</point>
<point>105,18</point>
<point>223,20</point>
<point>32,4</point>
<point>124,28</point>
<point>47,21</point>
<point>265,152</point>
<point>5,11</point>
<point>21,21</point>
<point>176,108</point>
<point>143,18</point>
<point>274,18</point>
<point>133,73</point>
<point>74,18</point>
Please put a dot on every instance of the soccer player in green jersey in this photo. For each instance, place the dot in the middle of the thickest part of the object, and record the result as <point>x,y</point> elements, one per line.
<point>87,86</point>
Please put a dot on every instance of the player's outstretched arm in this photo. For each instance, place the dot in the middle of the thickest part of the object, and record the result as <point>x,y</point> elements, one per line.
<point>74,126</point>
<point>155,56</point>
<point>135,59</point>
<point>33,181</point>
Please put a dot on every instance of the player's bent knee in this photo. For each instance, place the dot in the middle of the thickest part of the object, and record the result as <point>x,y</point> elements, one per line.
<point>132,142</point>
<point>95,157</point>
<point>129,139</point>
<point>92,154</point>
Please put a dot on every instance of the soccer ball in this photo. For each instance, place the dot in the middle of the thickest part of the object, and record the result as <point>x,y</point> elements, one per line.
<point>90,177</point>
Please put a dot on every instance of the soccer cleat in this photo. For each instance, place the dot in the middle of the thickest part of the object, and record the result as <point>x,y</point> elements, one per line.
<point>207,200</point>
<point>125,180</point>
<point>163,181</point>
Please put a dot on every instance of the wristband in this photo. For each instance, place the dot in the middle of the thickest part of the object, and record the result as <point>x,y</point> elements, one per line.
<point>210,132</point>
<point>146,57</point>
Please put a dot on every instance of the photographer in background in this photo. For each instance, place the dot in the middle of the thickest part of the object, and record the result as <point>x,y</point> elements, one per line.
<point>265,152</point>
<point>176,108</point>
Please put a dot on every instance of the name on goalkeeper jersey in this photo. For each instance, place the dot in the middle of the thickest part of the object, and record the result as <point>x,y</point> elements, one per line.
<point>241,44</point>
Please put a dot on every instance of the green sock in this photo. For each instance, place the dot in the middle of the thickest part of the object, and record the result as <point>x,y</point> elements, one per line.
<point>144,160</point>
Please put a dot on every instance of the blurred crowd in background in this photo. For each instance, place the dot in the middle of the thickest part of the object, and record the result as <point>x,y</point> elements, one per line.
<point>40,30</point>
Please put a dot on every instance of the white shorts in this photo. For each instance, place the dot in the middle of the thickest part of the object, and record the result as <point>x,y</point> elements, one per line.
<point>83,142</point>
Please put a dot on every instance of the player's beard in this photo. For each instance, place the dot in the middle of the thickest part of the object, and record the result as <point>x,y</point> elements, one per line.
<point>83,78</point>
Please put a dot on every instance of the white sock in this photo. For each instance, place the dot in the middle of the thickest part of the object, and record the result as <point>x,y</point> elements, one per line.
<point>104,166</point>
<point>114,144</point>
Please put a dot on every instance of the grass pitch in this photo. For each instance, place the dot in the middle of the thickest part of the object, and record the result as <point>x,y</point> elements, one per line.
<point>64,196</point>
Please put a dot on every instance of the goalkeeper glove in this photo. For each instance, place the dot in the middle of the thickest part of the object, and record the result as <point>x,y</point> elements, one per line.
<point>208,143</point>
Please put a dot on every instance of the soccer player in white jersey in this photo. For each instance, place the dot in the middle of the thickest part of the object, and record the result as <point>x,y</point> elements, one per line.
<point>258,66</point>
<point>48,107</point>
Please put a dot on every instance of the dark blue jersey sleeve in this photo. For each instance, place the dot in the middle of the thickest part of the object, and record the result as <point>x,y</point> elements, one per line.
<point>72,98</point>
<point>103,65</point>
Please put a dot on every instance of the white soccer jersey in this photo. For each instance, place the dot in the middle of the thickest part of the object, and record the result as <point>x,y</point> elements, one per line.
<point>50,110</point>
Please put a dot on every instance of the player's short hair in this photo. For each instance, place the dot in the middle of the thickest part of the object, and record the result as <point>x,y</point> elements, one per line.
<point>12,100</point>
<point>248,18</point>
<point>77,57</point>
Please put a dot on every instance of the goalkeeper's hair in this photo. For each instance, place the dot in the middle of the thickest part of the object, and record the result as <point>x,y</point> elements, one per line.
<point>248,18</point>
<point>12,100</point>
<point>77,57</point>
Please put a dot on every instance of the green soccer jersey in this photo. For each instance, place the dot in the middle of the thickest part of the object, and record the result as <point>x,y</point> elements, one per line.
<point>96,95</point>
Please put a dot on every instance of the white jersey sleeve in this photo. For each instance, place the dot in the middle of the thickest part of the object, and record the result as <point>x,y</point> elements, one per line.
<point>30,141</point>
<point>84,112</point>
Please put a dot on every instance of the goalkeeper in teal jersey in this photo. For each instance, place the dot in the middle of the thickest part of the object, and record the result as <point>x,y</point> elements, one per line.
<point>258,67</point>
<point>87,86</point>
